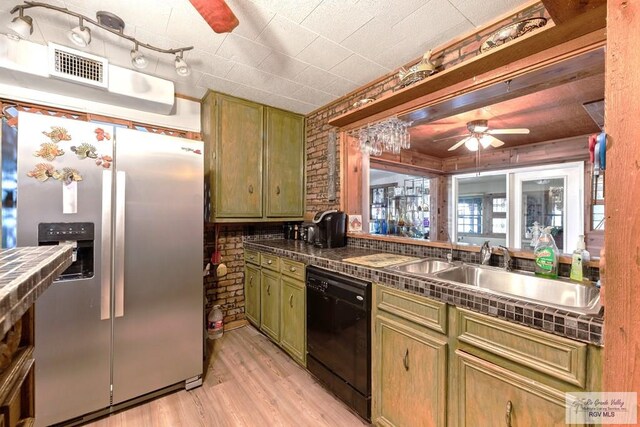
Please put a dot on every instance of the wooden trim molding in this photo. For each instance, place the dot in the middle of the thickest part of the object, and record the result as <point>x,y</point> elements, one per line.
<point>621,278</point>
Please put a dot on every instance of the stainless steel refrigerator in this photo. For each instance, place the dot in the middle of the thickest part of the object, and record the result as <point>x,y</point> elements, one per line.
<point>126,320</point>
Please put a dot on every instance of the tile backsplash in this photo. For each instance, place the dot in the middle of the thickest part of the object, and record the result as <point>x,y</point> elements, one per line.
<point>524,264</point>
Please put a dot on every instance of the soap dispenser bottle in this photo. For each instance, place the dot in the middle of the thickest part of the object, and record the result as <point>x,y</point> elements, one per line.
<point>579,261</point>
<point>546,255</point>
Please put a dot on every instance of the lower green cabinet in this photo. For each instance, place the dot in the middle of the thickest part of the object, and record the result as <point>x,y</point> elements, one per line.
<point>409,360</point>
<point>270,303</point>
<point>275,300</point>
<point>252,293</point>
<point>438,365</point>
<point>293,318</point>
<point>489,395</point>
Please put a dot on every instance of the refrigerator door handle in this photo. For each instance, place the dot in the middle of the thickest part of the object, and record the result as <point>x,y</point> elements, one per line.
<point>105,249</point>
<point>119,247</point>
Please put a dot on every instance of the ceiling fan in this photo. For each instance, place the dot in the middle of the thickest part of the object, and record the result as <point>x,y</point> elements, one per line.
<point>217,14</point>
<point>480,135</point>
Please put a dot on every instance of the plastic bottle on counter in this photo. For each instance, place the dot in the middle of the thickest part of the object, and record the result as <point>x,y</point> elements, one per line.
<point>546,255</point>
<point>215,323</point>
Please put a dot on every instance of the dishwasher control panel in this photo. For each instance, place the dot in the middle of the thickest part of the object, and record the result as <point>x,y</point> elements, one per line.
<point>317,284</point>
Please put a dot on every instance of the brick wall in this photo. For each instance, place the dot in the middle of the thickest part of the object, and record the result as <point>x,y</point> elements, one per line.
<point>318,128</point>
<point>228,291</point>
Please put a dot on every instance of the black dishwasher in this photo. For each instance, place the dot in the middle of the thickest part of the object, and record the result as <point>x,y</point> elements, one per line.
<point>339,336</point>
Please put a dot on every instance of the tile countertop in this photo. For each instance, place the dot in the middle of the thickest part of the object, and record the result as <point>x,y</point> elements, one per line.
<point>583,328</point>
<point>25,273</point>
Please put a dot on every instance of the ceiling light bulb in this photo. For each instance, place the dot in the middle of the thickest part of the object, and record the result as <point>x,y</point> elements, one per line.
<point>182,68</point>
<point>80,35</point>
<point>485,141</point>
<point>472,144</point>
<point>20,27</point>
<point>138,60</point>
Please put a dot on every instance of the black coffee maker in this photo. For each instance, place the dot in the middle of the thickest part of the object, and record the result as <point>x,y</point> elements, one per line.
<point>332,229</point>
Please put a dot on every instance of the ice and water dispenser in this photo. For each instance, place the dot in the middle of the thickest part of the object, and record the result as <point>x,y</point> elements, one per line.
<point>78,234</point>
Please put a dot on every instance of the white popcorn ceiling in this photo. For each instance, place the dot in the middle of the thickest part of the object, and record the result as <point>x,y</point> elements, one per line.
<point>294,54</point>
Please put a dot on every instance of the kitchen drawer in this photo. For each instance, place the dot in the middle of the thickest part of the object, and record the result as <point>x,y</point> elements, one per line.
<point>552,355</point>
<point>420,310</point>
<point>270,261</point>
<point>252,256</point>
<point>292,268</point>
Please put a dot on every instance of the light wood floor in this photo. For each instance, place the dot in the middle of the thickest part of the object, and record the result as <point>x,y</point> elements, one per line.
<point>249,382</point>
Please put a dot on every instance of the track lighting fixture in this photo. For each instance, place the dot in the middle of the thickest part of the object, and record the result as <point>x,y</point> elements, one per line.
<point>80,35</point>
<point>182,68</point>
<point>21,27</point>
<point>138,60</point>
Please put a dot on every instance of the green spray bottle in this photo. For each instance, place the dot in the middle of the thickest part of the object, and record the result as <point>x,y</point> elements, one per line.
<point>546,255</point>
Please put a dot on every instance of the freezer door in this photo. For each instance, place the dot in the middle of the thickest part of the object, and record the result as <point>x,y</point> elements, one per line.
<point>158,323</point>
<point>72,326</point>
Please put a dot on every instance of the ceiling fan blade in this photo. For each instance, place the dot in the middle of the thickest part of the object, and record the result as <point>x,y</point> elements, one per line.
<point>495,142</point>
<point>459,143</point>
<point>450,137</point>
<point>514,131</point>
<point>217,14</point>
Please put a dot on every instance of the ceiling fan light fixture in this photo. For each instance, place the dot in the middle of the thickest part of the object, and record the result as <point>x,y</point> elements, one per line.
<point>182,68</point>
<point>485,141</point>
<point>20,27</point>
<point>477,126</point>
<point>472,144</point>
<point>80,35</point>
<point>138,60</point>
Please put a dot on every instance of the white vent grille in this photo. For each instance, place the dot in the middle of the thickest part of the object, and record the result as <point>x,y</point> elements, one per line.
<point>78,66</point>
<point>81,67</point>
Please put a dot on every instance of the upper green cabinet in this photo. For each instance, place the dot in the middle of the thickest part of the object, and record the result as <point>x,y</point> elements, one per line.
<point>285,164</point>
<point>255,160</point>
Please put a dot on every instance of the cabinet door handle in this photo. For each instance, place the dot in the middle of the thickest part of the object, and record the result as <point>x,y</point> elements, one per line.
<point>277,189</point>
<point>405,360</point>
<point>269,290</point>
<point>269,262</point>
<point>291,300</point>
<point>250,189</point>
<point>293,269</point>
<point>507,415</point>
<point>251,280</point>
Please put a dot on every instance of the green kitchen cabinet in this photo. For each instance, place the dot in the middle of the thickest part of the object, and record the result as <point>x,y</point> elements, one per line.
<point>252,293</point>
<point>237,158</point>
<point>285,156</point>
<point>409,363</point>
<point>489,395</point>
<point>254,160</point>
<point>293,318</point>
<point>270,303</point>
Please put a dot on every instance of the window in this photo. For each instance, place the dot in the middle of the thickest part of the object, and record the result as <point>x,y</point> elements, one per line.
<point>499,215</point>
<point>470,215</point>
<point>502,206</point>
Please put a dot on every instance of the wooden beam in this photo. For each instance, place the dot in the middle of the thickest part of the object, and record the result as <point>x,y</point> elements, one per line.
<point>501,57</point>
<point>622,230</point>
<point>565,10</point>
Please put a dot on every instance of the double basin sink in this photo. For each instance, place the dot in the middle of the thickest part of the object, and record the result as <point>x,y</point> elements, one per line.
<point>563,294</point>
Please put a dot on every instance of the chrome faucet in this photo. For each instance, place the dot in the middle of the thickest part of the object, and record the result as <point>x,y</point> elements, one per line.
<point>485,253</point>
<point>508,261</point>
<point>450,254</point>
